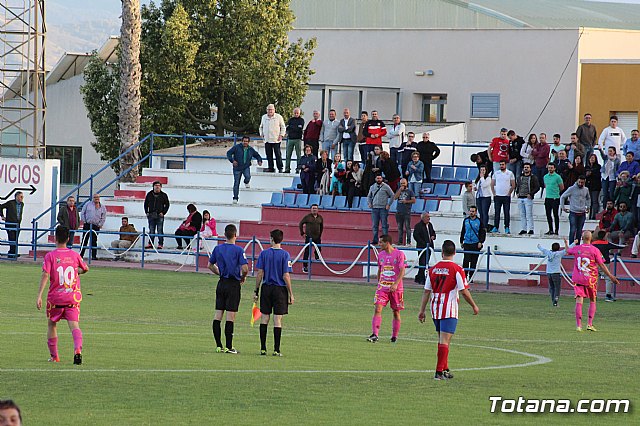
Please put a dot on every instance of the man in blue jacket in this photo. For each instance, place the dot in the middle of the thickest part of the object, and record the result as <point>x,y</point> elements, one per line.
<point>240,156</point>
<point>472,236</point>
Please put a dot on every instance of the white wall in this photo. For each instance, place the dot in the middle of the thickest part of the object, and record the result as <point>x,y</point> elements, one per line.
<point>522,65</point>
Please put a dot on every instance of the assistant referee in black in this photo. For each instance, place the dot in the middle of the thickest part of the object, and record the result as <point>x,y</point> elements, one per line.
<point>230,263</point>
<point>274,269</point>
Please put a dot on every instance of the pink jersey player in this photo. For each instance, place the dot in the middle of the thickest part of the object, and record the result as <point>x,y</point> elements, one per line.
<point>391,267</point>
<point>61,268</point>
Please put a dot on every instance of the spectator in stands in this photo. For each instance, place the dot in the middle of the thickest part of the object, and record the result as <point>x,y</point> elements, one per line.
<point>632,145</point>
<point>330,133</point>
<point>574,170</point>
<point>624,223</point>
<point>368,175</point>
<point>347,135</point>
<point>609,170</point>
<point>428,151</point>
<point>424,235</point>
<point>241,155</point>
<point>612,136</point>
<point>69,217</point>
<point>389,169</point>
<point>483,195</point>
<point>630,166</point>
<point>556,148</point>
<point>636,246</point>
<point>311,227</point>
<point>379,199</point>
<point>354,183</point>
<point>472,236</point>
<point>554,186</point>
<point>338,179</point>
<point>209,225</point>
<point>156,206</point>
<point>295,127</point>
<point>93,216</point>
<point>605,248</point>
<point>592,172</point>
<point>323,172</point>
<point>407,150</point>
<point>468,198</point>
<point>307,166</point>
<point>376,161</point>
<point>189,227</point>
<point>574,148</point>
<point>406,199</point>
<point>337,159</point>
<point>515,158</point>
<point>11,213</point>
<point>482,160</point>
<point>541,159</point>
<point>361,138</point>
<point>607,216</point>
<point>624,187</point>
<point>128,235</point>
<point>526,187</point>
<point>499,149</point>
<point>272,129</point>
<point>311,133</point>
<point>527,151</point>
<point>396,134</point>
<point>414,173</point>
<point>587,135</point>
<point>374,130</point>
<point>579,203</point>
<point>562,165</point>
<point>503,183</point>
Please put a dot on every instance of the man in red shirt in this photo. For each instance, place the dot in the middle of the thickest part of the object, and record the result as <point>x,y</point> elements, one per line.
<point>499,149</point>
<point>374,130</point>
<point>606,217</point>
<point>311,135</point>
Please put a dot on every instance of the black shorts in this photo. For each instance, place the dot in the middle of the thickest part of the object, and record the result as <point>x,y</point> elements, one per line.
<point>274,298</point>
<point>228,295</point>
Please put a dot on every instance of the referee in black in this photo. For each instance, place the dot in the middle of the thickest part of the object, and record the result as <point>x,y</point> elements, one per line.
<point>274,269</point>
<point>230,263</point>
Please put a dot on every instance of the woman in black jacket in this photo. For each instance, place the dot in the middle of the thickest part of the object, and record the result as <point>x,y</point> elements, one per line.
<point>389,170</point>
<point>322,165</point>
<point>189,226</point>
<point>594,183</point>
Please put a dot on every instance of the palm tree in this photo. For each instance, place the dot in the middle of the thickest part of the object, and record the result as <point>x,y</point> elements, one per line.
<point>130,75</point>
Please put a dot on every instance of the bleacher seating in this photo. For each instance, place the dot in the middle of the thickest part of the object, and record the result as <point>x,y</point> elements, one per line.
<point>440,190</point>
<point>394,207</point>
<point>288,199</point>
<point>473,173</point>
<point>326,202</point>
<point>294,184</point>
<point>314,199</point>
<point>436,172</point>
<point>428,186</point>
<point>453,189</point>
<point>431,205</point>
<point>302,200</point>
<point>461,173</point>
<point>276,200</point>
<point>339,202</point>
<point>364,204</point>
<point>418,206</point>
<point>447,173</point>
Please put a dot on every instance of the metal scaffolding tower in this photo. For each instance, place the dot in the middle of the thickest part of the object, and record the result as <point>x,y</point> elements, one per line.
<point>22,86</point>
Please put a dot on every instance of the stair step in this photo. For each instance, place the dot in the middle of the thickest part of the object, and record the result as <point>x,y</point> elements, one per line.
<point>129,193</point>
<point>115,209</point>
<point>150,179</point>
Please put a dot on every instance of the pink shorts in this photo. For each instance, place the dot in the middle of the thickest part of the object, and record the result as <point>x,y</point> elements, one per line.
<point>56,313</point>
<point>584,291</point>
<point>396,298</point>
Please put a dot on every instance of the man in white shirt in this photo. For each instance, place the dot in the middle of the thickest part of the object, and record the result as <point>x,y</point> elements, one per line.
<point>329,134</point>
<point>503,183</point>
<point>612,136</point>
<point>396,134</point>
<point>272,130</point>
<point>347,135</point>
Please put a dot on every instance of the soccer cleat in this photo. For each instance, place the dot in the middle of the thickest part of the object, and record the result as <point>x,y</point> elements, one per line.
<point>219,350</point>
<point>439,376</point>
<point>394,339</point>
<point>77,359</point>
<point>373,338</point>
<point>494,230</point>
<point>591,328</point>
<point>276,353</point>
<point>507,230</point>
<point>263,352</point>
<point>579,329</point>
<point>447,374</point>
<point>54,359</point>
<point>231,351</point>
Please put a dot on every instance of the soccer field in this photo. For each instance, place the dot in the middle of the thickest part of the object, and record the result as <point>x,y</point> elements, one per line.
<point>149,357</point>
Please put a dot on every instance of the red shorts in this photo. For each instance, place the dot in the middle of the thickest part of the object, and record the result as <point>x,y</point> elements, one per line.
<point>587,292</point>
<point>56,313</point>
<point>396,298</point>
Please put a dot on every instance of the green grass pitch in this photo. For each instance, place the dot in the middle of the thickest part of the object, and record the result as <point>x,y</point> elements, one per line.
<point>149,357</point>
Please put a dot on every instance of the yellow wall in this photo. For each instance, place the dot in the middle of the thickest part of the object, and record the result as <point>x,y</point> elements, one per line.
<point>608,88</point>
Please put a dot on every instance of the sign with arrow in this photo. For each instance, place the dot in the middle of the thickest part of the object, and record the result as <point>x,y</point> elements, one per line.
<point>31,190</point>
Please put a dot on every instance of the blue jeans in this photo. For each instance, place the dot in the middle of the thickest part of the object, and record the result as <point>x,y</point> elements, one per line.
<point>415,188</point>
<point>348,146</point>
<point>397,159</point>
<point>608,190</point>
<point>378,215</point>
<point>540,172</point>
<point>236,180</point>
<point>156,226</point>
<point>502,202</point>
<point>576,223</point>
<point>483,204</point>
<point>526,213</point>
<point>326,146</point>
<point>516,168</point>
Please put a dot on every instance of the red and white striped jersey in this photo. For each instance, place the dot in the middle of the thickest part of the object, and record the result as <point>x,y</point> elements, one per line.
<point>445,280</point>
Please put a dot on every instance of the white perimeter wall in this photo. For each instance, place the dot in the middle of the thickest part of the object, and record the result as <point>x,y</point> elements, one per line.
<point>522,65</point>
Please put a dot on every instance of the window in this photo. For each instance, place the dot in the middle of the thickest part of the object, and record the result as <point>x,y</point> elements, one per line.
<point>485,105</point>
<point>70,159</point>
<point>434,108</point>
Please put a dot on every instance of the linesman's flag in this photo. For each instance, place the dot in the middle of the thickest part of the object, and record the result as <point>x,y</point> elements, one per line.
<point>255,313</point>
